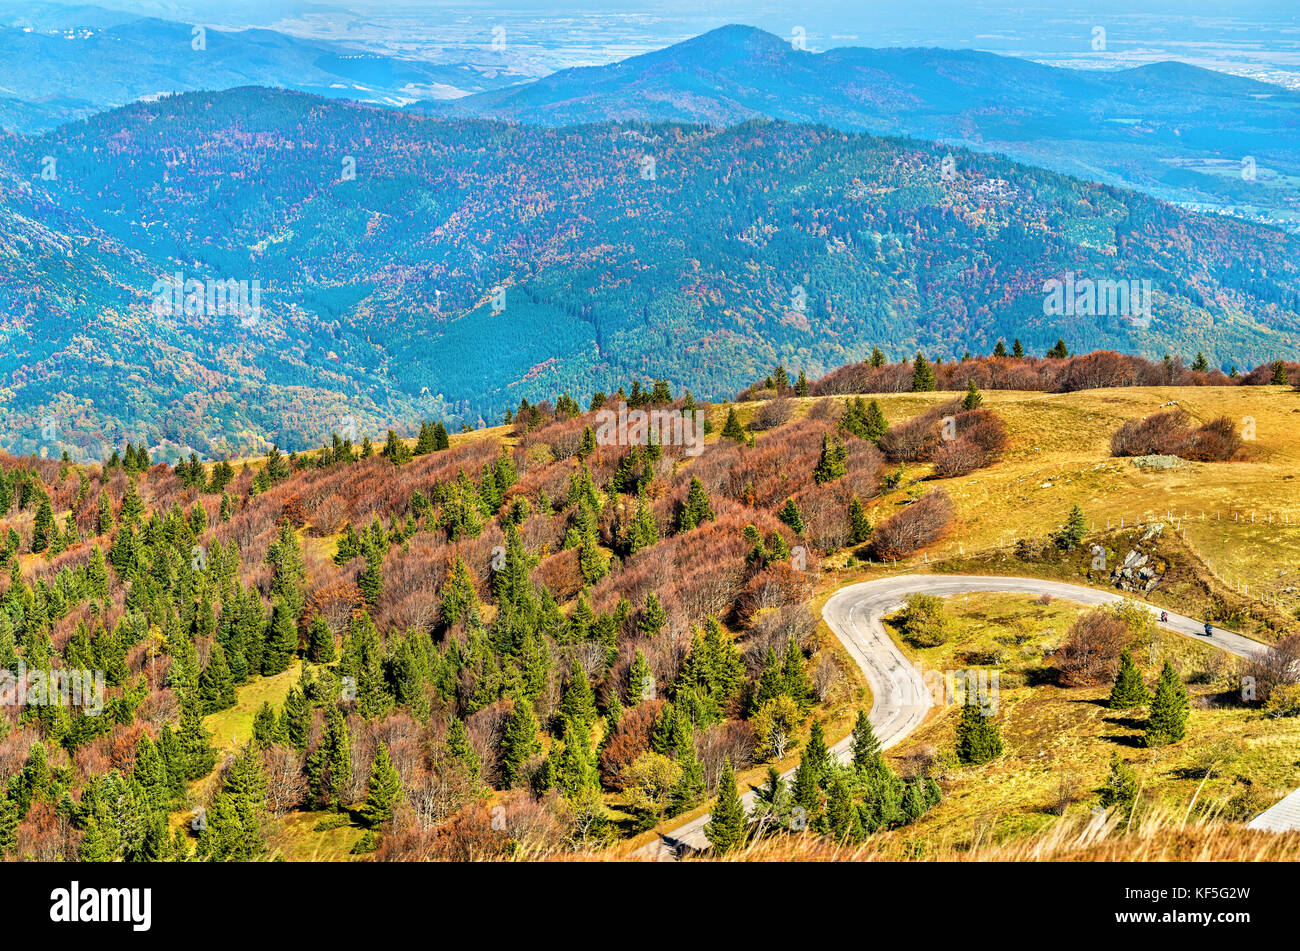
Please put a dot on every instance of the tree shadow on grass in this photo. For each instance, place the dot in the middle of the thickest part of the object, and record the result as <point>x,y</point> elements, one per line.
<point>1133,742</point>
<point>1040,677</point>
<point>1129,723</point>
<point>1103,702</point>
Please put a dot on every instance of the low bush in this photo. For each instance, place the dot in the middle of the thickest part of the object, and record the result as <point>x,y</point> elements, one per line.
<point>1175,434</point>
<point>921,523</point>
<point>924,621</point>
<point>1283,701</point>
<point>1090,655</point>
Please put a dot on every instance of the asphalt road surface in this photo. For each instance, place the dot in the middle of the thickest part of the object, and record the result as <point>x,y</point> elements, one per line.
<point>898,689</point>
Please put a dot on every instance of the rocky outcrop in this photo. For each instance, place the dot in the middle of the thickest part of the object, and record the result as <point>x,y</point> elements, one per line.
<point>1158,462</point>
<point>1141,570</point>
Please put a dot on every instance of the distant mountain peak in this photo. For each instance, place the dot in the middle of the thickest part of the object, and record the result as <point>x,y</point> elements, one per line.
<point>724,46</point>
<point>1173,75</point>
<point>1120,127</point>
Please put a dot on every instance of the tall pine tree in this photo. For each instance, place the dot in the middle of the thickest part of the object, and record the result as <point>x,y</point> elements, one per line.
<point>726,826</point>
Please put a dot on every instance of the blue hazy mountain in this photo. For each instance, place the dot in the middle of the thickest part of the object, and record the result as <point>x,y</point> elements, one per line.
<point>1175,131</point>
<point>1178,132</point>
<point>64,63</point>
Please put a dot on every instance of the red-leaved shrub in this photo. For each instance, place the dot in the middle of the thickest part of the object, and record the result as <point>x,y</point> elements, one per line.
<point>921,523</point>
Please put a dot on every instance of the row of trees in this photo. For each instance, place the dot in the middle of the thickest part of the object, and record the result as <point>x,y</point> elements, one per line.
<point>1059,372</point>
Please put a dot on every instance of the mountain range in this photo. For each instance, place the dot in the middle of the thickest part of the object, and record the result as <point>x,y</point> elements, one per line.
<point>1175,131</point>
<point>68,62</point>
<point>1200,138</point>
<point>414,267</point>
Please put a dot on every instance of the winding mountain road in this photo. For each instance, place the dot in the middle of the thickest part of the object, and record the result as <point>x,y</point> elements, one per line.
<point>900,698</point>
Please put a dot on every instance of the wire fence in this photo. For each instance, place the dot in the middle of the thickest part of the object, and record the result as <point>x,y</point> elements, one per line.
<point>1179,523</point>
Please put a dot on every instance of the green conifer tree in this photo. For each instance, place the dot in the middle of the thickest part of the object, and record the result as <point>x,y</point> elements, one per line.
<point>9,819</point>
<point>644,530</point>
<point>653,617</point>
<point>1073,531</point>
<point>859,524</point>
<point>806,790</point>
<point>384,790</point>
<point>638,678</point>
<point>1129,690</point>
<point>839,809</point>
<point>864,747</point>
<point>578,703</point>
<point>281,639</point>
<point>43,527</point>
<point>320,641</point>
<point>519,742</point>
<point>772,803</point>
<point>794,677</point>
<point>830,465</point>
<point>266,726</point>
<point>791,516</point>
<point>370,580</point>
<point>1167,722</point>
<point>874,425</point>
<point>732,429</point>
<point>329,766</point>
<point>196,753</point>
<point>295,719</point>
<point>1121,788</point>
<point>978,739</point>
<point>815,751</point>
<point>216,685</point>
<point>922,374</point>
<point>696,509</point>
<point>726,826</point>
<point>104,519</point>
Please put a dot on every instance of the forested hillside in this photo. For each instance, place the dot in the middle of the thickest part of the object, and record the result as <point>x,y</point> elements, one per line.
<point>533,635</point>
<point>409,267</point>
<point>554,636</point>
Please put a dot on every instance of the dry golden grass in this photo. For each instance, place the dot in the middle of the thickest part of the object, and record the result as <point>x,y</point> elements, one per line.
<point>1059,740</point>
<point>1160,835</point>
<point>1157,835</point>
<point>1059,456</point>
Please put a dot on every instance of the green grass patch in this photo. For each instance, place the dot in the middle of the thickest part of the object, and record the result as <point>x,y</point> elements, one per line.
<point>295,838</point>
<point>233,728</point>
